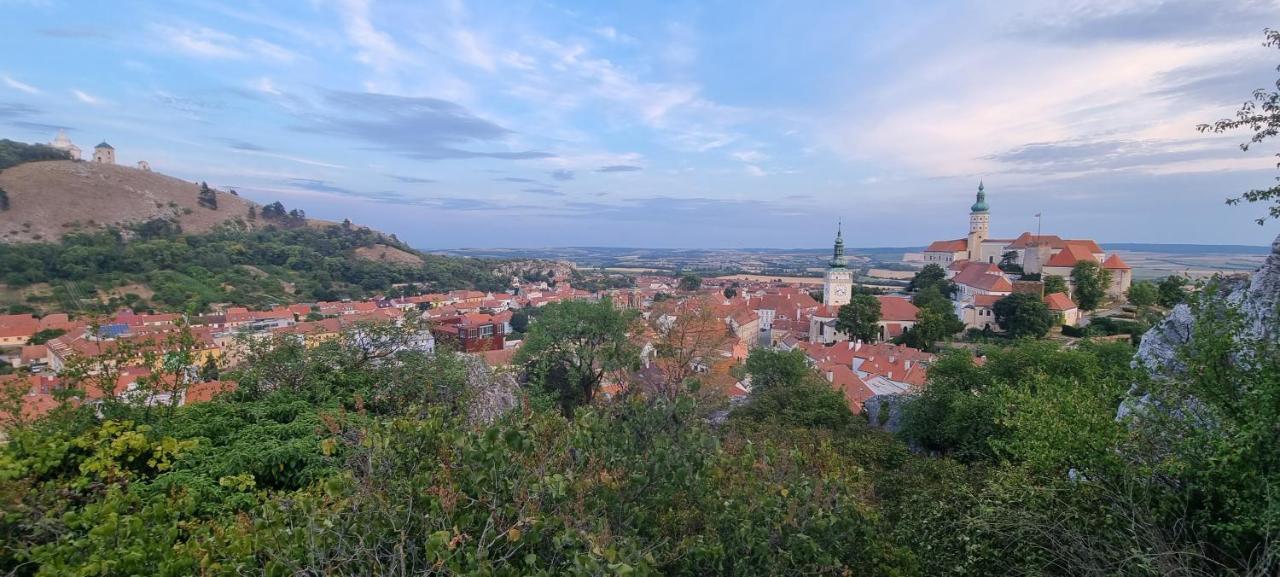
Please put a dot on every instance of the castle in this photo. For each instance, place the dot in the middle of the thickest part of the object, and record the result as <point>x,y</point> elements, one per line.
<point>974,262</point>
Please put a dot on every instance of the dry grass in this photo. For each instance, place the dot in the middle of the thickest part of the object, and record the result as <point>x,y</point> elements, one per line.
<point>50,199</point>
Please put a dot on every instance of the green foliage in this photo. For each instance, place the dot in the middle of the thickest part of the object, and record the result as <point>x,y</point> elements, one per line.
<point>932,276</point>
<point>859,317</point>
<point>936,320</point>
<point>1009,262</point>
<point>1172,291</point>
<point>785,391</point>
<point>242,267</point>
<point>13,153</point>
<point>690,282</point>
<point>45,336</point>
<point>1055,284</point>
<point>1090,281</point>
<point>730,292</point>
<point>573,345</point>
<point>1023,315</point>
<point>1143,294</point>
<point>1033,403</point>
<point>207,197</point>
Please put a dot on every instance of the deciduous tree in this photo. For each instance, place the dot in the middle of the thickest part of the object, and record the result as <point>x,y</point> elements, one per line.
<point>1090,281</point>
<point>859,319</point>
<point>1023,315</point>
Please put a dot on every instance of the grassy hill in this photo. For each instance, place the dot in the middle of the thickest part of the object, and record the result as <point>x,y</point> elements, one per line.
<point>51,198</point>
<point>78,236</point>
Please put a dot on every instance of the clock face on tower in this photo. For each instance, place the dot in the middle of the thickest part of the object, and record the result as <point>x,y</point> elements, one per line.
<point>840,291</point>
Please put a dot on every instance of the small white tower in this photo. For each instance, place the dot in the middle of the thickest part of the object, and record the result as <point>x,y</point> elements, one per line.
<point>979,224</point>
<point>144,166</point>
<point>104,153</point>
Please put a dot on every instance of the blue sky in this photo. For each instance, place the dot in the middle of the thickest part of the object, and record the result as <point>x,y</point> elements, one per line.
<point>669,124</point>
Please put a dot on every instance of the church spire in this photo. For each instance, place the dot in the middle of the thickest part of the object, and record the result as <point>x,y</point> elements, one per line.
<point>981,204</point>
<point>837,254</point>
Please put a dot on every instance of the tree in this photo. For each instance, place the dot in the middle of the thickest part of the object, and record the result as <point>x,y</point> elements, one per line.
<point>1055,284</point>
<point>730,292</point>
<point>1262,116</point>
<point>1143,294</point>
<point>207,197</point>
<point>859,319</point>
<point>520,321</point>
<point>45,336</point>
<point>1023,315</point>
<point>936,320</point>
<point>688,335</point>
<point>1009,262</point>
<point>1171,291</point>
<point>253,212</point>
<point>1090,281</point>
<point>690,282</point>
<point>785,390</point>
<point>573,345</point>
<point>932,275</point>
<point>4,200</point>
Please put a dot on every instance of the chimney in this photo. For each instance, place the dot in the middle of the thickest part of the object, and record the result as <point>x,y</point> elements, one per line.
<point>857,346</point>
<point>831,376</point>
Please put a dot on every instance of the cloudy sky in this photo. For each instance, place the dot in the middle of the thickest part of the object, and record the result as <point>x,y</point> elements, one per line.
<point>669,124</point>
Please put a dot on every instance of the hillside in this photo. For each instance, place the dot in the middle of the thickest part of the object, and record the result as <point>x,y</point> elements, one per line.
<point>51,198</point>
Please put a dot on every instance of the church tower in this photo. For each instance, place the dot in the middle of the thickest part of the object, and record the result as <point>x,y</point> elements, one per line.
<point>837,285</point>
<point>979,222</point>
<point>104,153</point>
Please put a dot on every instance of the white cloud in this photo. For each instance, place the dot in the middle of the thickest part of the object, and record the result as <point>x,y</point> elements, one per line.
<point>86,98</point>
<point>265,86</point>
<point>473,50</point>
<point>374,47</point>
<point>941,118</point>
<point>204,42</point>
<point>19,86</point>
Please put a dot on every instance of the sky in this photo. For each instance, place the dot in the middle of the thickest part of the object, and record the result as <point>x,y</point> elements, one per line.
<point>709,124</point>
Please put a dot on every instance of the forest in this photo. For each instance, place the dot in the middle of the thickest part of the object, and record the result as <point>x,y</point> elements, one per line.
<point>257,268</point>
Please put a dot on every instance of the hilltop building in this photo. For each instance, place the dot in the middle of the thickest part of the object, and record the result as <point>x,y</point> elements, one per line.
<point>972,262</point>
<point>104,153</point>
<point>62,142</point>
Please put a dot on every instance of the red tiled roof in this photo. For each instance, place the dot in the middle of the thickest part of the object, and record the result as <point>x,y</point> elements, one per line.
<point>897,309</point>
<point>18,326</point>
<point>1070,255</point>
<point>1088,245</point>
<point>206,391</point>
<point>948,245</point>
<point>1059,302</point>
<point>987,301</point>
<point>1114,262</point>
<point>1027,239</point>
<point>984,276</point>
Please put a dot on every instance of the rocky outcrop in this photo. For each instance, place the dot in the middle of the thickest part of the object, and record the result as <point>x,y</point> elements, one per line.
<point>491,394</point>
<point>885,411</point>
<point>1255,298</point>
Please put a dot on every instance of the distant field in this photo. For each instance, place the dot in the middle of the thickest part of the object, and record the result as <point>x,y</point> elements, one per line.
<point>770,278</point>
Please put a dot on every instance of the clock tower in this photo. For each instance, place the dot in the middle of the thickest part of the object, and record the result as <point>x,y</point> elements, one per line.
<point>837,286</point>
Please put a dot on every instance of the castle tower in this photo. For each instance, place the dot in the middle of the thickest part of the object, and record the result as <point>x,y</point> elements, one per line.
<point>104,153</point>
<point>979,223</point>
<point>837,284</point>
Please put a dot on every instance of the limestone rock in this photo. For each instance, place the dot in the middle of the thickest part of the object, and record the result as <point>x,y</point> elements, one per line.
<point>490,394</point>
